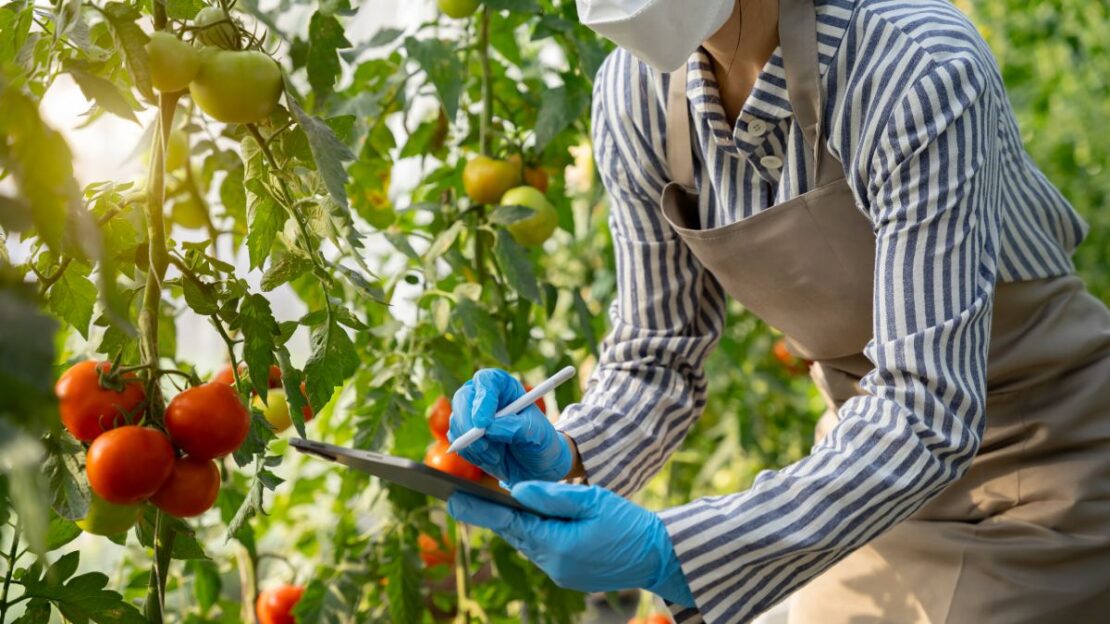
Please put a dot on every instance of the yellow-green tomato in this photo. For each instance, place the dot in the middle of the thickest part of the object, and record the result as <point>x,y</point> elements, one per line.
<point>104,518</point>
<point>486,179</point>
<point>458,9</point>
<point>177,150</point>
<point>214,28</point>
<point>173,63</point>
<point>236,86</point>
<point>538,227</point>
<point>189,213</point>
<point>275,409</point>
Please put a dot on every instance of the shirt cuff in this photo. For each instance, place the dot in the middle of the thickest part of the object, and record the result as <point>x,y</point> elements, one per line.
<point>577,421</point>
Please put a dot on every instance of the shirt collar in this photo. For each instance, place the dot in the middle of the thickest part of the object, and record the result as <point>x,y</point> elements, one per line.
<point>768,101</point>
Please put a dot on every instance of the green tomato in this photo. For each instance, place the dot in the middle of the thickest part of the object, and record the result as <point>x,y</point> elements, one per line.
<point>458,9</point>
<point>104,518</point>
<point>173,63</point>
<point>177,150</point>
<point>236,86</point>
<point>538,227</point>
<point>275,409</point>
<point>214,28</point>
<point>189,213</point>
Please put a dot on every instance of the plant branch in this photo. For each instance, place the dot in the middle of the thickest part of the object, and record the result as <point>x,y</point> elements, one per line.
<point>12,556</point>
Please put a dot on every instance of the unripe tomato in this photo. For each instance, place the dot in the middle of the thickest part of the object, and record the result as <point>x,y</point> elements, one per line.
<point>191,488</point>
<point>214,28</point>
<point>87,410</point>
<point>173,63</point>
<point>225,376</point>
<point>435,554</point>
<point>458,9</point>
<point>129,464</point>
<point>275,605</point>
<point>486,179</point>
<point>189,212</point>
<point>177,151</point>
<point>104,518</point>
<point>437,457</point>
<point>536,177</point>
<point>207,421</point>
<point>537,228</point>
<point>236,86</point>
<point>439,418</point>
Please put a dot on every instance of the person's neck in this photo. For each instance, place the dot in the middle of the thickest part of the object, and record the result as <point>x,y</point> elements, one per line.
<point>740,49</point>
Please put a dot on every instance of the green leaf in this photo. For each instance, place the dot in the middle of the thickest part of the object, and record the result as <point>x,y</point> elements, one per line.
<point>325,38</point>
<point>199,296</point>
<point>185,544</point>
<point>64,471</point>
<point>478,326</point>
<point>517,266</point>
<point>439,60</point>
<point>291,379</point>
<point>510,213</point>
<point>250,506</point>
<point>38,612</point>
<point>402,569</point>
<point>183,9</point>
<point>260,331</point>
<point>206,583</point>
<point>287,269</point>
<point>443,241</point>
<point>131,41</point>
<point>558,110</point>
<point>65,566</point>
<point>585,320</point>
<point>265,216</point>
<point>26,355</point>
<point>384,36</point>
<point>82,598</point>
<point>60,533</point>
<point>329,152</point>
<point>104,93</point>
<point>72,298</point>
<point>258,437</point>
<point>333,360</point>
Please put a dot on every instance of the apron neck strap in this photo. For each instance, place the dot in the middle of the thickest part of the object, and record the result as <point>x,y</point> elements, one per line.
<point>798,40</point>
<point>680,152</point>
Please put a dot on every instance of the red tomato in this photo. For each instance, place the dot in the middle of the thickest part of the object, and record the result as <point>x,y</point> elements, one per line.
<point>87,409</point>
<point>435,554</point>
<point>658,618</point>
<point>539,402</point>
<point>275,605</point>
<point>437,457</point>
<point>306,411</point>
<point>191,489</point>
<point>793,365</point>
<point>439,418</point>
<point>207,421</point>
<point>129,464</point>
<point>536,177</point>
<point>224,375</point>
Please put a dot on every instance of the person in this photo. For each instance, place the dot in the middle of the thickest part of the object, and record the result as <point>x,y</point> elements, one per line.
<point>851,171</point>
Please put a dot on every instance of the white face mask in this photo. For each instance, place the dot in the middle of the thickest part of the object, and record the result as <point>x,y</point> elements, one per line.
<point>662,33</point>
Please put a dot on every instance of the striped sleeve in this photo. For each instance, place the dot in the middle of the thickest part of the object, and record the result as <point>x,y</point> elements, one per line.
<point>649,385</point>
<point>934,206</point>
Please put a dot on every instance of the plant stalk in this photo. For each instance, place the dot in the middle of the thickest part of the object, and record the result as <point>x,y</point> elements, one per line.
<point>13,554</point>
<point>164,536</point>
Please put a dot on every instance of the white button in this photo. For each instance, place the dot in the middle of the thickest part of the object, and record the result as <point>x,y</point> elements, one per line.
<point>771,162</point>
<point>757,127</point>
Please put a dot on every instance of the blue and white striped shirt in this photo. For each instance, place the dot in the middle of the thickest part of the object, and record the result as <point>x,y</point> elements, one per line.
<point>916,111</point>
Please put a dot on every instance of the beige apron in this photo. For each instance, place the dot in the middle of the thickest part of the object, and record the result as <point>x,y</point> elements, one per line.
<point>1024,536</point>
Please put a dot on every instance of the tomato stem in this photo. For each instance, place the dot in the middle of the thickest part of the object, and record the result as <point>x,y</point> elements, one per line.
<point>12,556</point>
<point>164,536</point>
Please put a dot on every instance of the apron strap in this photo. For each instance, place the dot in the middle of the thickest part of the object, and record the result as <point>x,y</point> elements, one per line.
<point>798,39</point>
<point>680,151</point>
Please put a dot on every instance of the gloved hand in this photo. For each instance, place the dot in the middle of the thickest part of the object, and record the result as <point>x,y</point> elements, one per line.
<point>601,542</point>
<point>516,447</point>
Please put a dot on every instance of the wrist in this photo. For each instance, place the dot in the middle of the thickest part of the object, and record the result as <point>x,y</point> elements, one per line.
<point>576,470</point>
<point>670,584</point>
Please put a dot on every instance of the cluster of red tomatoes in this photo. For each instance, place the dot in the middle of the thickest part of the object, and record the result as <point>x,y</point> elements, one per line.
<point>129,462</point>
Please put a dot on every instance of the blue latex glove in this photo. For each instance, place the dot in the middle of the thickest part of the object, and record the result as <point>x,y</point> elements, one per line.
<point>516,447</point>
<point>601,542</point>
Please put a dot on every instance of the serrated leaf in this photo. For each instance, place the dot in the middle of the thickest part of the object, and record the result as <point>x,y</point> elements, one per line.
<point>65,566</point>
<point>131,41</point>
<point>251,505</point>
<point>517,267</point>
<point>402,569</point>
<point>199,296</point>
<point>445,71</point>
<point>287,269</point>
<point>185,544</point>
<point>63,469</point>
<point>83,599</point>
<point>61,532</point>
<point>104,93</point>
<point>260,332</point>
<point>558,110</point>
<point>265,217</point>
<point>183,9</point>
<point>206,583</point>
<point>478,326</point>
<point>325,39</point>
<point>258,437</point>
<point>291,380</point>
<point>333,360</point>
<point>72,298</point>
<point>327,150</point>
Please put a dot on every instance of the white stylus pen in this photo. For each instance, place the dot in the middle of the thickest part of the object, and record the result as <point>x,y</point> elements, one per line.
<point>524,401</point>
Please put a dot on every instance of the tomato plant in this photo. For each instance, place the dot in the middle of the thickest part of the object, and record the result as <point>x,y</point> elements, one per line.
<point>333,208</point>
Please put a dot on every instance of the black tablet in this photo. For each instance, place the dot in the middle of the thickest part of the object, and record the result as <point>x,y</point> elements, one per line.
<point>404,472</point>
